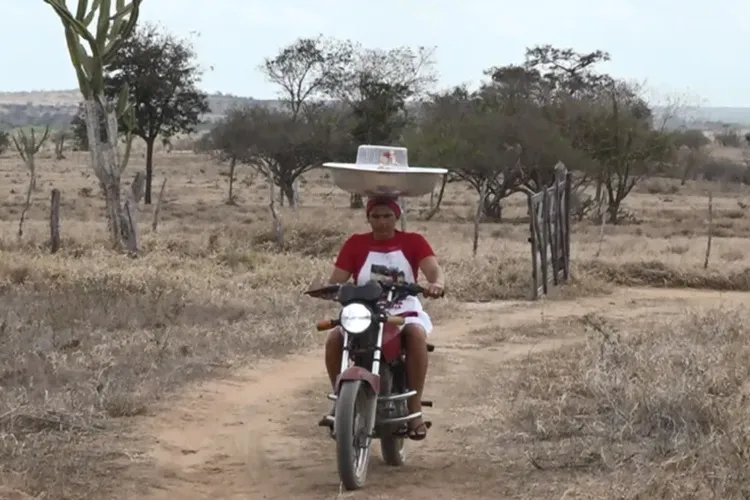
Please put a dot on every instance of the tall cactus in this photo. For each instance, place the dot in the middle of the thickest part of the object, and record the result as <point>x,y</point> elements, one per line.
<point>103,43</point>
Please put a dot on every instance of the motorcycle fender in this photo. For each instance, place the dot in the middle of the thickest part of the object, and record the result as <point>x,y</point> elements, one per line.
<point>359,373</point>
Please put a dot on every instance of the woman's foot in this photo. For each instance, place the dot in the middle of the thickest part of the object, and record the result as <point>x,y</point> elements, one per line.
<point>418,429</point>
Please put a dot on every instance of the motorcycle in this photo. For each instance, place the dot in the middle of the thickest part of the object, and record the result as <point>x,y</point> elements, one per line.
<point>372,389</point>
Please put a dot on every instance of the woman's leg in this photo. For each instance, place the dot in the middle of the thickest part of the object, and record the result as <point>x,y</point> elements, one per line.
<point>417,361</point>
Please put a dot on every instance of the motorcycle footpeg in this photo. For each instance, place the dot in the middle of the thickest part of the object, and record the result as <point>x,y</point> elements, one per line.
<point>404,431</point>
<point>401,433</point>
<point>326,421</point>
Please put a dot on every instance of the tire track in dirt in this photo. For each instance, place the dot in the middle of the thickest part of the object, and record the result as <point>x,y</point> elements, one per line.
<point>255,435</point>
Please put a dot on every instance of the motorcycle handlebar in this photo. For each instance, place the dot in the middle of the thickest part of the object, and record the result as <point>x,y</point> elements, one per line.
<point>415,289</point>
<point>330,291</point>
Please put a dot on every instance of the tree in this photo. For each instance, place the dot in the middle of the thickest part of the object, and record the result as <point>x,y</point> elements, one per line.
<point>691,138</point>
<point>380,115</point>
<point>563,83</point>
<point>228,142</point>
<point>568,72</point>
<point>28,146</point>
<point>622,139</point>
<point>160,72</point>
<point>108,162</point>
<point>497,143</point>
<point>376,85</point>
<point>308,70</point>
<point>688,144</point>
<point>604,118</point>
<point>278,144</point>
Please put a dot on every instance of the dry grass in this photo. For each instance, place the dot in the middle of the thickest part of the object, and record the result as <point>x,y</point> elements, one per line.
<point>652,410</point>
<point>89,338</point>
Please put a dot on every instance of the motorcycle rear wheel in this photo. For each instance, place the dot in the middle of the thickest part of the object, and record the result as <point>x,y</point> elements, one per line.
<point>350,429</point>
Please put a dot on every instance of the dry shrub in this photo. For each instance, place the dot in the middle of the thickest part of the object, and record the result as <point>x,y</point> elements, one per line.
<point>658,274</point>
<point>663,413</point>
<point>307,240</point>
<point>78,351</point>
<point>491,278</point>
<point>659,185</point>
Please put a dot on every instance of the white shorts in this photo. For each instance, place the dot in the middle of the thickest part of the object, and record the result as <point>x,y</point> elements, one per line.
<point>423,319</point>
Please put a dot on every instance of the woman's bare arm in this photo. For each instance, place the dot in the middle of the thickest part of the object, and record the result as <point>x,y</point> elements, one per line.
<point>339,276</point>
<point>432,270</point>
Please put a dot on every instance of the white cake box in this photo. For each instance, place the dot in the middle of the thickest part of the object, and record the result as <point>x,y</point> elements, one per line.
<point>384,171</point>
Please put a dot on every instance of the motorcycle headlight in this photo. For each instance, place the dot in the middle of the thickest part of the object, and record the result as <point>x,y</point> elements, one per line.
<point>355,318</point>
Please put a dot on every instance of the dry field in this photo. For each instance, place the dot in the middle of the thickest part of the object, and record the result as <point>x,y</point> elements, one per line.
<point>194,371</point>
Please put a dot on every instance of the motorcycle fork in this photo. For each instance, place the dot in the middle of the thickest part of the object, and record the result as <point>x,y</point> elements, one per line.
<point>372,400</point>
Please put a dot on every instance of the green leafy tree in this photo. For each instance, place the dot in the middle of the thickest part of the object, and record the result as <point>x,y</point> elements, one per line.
<point>278,144</point>
<point>228,143</point>
<point>162,77</point>
<point>495,145</point>
<point>376,85</point>
<point>622,139</point>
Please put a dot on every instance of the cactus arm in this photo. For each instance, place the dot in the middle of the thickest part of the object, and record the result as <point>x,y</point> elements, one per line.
<point>82,8</point>
<point>102,27</point>
<point>76,25</point>
<point>19,147</point>
<point>39,145</point>
<point>123,23</point>
<point>128,145</point>
<point>76,50</point>
<point>89,18</point>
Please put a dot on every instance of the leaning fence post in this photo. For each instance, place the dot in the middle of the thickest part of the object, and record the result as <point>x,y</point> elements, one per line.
<point>534,252</point>
<point>566,218</point>
<point>54,221</point>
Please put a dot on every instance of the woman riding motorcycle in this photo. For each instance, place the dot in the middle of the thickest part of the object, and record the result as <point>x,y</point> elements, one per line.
<point>406,253</point>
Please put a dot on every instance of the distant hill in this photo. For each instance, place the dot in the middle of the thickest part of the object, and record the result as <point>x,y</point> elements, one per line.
<point>57,107</point>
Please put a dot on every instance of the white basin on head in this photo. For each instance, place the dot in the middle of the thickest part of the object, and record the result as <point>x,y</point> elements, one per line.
<point>384,171</point>
<point>369,180</point>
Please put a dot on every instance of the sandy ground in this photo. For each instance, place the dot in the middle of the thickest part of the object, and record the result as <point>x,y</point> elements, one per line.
<point>255,436</point>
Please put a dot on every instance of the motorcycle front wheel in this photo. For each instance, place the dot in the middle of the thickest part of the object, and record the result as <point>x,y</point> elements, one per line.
<point>353,408</point>
<point>392,447</point>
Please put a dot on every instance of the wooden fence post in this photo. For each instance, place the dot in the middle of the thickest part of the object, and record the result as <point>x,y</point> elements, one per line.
<point>54,221</point>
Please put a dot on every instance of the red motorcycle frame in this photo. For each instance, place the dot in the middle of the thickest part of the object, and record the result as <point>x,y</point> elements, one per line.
<point>370,403</point>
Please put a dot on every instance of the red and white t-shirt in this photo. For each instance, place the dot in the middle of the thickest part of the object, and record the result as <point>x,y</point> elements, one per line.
<point>366,258</point>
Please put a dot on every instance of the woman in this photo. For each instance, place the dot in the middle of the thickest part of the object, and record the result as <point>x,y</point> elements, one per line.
<point>409,253</point>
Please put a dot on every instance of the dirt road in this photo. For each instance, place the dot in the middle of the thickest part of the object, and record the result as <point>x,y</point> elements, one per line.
<point>255,436</point>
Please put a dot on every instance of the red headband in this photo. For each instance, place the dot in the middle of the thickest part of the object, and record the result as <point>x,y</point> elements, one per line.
<point>388,202</point>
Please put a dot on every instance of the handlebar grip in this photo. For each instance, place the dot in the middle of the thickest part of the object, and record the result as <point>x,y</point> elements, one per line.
<point>395,320</point>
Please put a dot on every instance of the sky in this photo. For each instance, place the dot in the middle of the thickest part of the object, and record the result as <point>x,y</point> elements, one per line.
<point>694,51</point>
